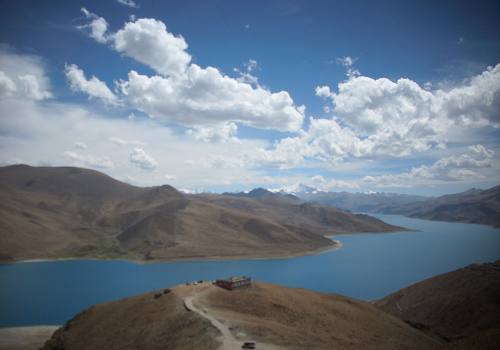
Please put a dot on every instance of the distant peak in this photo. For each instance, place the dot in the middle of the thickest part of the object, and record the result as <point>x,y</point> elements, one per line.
<point>259,192</point>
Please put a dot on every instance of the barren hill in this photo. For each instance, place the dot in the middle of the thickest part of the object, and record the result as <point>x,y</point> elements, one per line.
<point>311,216</point>
<point>62,212</point>
<point>462,306</point>
<point>472,206</point>
<point>278,317</point>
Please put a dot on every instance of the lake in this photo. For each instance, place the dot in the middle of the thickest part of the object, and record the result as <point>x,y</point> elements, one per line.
<point>368,266</point>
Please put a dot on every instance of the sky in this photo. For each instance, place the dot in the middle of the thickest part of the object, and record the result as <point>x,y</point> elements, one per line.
<point>357,96</point>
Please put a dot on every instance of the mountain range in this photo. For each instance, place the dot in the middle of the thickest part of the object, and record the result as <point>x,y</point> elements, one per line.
<point>67,212</point>
<point>472,206</point>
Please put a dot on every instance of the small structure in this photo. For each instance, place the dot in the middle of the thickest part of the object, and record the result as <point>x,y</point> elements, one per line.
<point>232,283</point>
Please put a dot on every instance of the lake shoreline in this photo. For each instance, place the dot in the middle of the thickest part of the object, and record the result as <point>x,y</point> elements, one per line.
<point>336,245</point>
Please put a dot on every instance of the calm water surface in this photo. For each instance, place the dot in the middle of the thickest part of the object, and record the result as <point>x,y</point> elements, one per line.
<point>368,266</point>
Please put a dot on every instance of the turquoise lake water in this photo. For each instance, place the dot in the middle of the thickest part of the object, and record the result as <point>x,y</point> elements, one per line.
<point>368,266</point>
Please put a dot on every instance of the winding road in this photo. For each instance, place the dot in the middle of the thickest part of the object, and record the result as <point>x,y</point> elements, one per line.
<point>228,341</point>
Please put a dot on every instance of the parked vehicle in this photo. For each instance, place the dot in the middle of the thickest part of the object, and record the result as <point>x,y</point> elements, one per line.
<point>249,345</point>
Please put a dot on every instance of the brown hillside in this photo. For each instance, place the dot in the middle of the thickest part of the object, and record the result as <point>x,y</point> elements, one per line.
<point>276,317</point>
<point>142,322</point>
<point>71,212</point>
<point>462,306</point>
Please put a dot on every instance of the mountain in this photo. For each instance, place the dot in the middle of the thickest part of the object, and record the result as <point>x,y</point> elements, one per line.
<point>360,202</point>
<point>262,193</point>
<point>472,206</point>
<point>58,212</point>
<point>461,306</point>
<point>275,317</point>
<point>290,209</point>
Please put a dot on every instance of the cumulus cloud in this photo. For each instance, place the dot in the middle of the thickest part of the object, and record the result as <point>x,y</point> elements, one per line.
<point>93,87</point>
<point>97,27</point>
<point>187,94</point>
<point>325,140</point>
<point>88,161</point>
<point>382,118</point>
<point>22,76</point>
<point>207,97</point>
<point>129,3</point>
<point>453,168</point>
<point>141,159</point>
<point>404,108</point>
<point>219,133</point>
<point>147,41</point>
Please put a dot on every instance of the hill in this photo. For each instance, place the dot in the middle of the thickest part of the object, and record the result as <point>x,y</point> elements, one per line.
<point>288,208</point>
<point>360,202</point>
<point>461,306</point>
<point>276,317</point>
<point>64,212</point>
<point>472,206</point>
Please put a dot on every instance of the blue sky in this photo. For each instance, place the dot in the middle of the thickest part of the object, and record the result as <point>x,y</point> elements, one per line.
<point>403,96</point>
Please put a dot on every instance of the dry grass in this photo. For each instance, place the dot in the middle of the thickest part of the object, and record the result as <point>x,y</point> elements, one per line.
<point>455,305</point>
<point>142,322</point>
<point>298,318</point>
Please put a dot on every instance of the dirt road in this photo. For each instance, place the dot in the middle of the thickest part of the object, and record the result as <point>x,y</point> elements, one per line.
<point>229,342</point>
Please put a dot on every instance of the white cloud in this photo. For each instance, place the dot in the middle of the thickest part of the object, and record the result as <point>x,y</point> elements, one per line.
<point>246,76</point>
<point>170,177</point>
<point>97,27</point>
<point>93,87</point>
<point>453,168</point>
<point>322,184</point>
<point>382,118</point>
<point>206,97</point>
<point>88,161</point>
<point>219,133</point>
<point>121,142</point>
<point>192,96</point>
<point>348,63</point>
<point>32,88</point>
<point>39,132</point>
<point>147,41</point>
<point>22,76</point>
<point>7,86</point>
<point>129,3</point>
<point>317,183</point>
<point>141,159</point>
<point>325,140</point>
<point>405,109</point>
<point>80,145</point>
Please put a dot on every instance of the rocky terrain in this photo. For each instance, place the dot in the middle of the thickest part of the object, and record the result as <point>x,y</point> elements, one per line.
<point>66,212</point>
